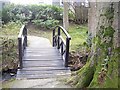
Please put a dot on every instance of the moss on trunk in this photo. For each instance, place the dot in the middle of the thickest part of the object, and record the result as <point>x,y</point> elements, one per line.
<point>101,70</point>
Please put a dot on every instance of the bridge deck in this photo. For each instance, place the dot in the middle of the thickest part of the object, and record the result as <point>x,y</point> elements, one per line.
<point>41,60</point>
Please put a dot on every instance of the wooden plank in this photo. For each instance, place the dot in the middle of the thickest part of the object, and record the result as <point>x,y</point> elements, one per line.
<point>44,68</point>
<point>47,59</point>
<point>42,61</point>
<point>42,51</point>
<point>42,54</point>
<point>47,52</point>
<point>45,48</point>
<point>45,64</point>
<point>42,57</point>
<point>42,72</point>
<point>41,76</point>
<point>53,51</point>
<point>41,48</point>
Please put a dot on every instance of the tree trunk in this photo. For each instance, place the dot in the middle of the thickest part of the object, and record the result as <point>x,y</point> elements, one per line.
<point>101,69</point>
<point>65,15</point>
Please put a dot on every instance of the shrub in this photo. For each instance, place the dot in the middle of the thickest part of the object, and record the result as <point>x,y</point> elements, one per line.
<point>50,23</point>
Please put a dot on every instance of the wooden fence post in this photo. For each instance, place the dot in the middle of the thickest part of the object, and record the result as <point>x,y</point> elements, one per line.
<point>67,52</point>
<point>20,51</point>
<point>53,37</point>
<point>58,43</point>
<point>25,29</point>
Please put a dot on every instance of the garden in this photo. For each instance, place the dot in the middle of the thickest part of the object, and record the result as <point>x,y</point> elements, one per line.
<point>93,53</point>
<point>39,24</point>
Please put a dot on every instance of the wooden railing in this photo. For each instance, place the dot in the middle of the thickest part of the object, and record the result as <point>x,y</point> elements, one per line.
<point>61,44</point>
<point>22,43</point>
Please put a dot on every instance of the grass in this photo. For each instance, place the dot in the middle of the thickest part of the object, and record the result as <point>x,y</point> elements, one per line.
<point>10,29</point>
<point>78,35</point>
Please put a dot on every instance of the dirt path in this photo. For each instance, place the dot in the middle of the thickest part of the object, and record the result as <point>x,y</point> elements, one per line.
<point>37,83</point>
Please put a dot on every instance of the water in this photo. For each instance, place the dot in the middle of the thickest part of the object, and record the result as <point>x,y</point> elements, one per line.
<point>9,74</point>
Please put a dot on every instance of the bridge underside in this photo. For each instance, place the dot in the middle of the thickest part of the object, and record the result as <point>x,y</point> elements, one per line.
<point>41,60</point>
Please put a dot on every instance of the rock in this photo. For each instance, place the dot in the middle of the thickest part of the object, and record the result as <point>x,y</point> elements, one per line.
<point>12,74</point>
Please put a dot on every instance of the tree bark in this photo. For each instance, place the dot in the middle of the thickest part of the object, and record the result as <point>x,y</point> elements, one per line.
<point>65,15</point>
<point>101,69</point>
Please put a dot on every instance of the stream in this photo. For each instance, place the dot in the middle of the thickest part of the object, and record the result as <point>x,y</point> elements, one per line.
<point>9,74</point>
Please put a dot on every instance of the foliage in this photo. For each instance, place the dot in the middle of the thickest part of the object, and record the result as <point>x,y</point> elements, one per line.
<point>6,14</point>
<point>43,15</point>
<point>9,53</point>
<point>8,36</point>
<point>71,15</point>
<point>46,24</point>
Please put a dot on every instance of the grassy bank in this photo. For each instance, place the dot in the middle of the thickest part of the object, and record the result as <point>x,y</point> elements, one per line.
<point>8,36</point>
<point>78,35</point>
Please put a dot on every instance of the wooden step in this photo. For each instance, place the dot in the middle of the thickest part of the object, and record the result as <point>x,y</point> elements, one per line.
<point>41,53</point>
<point>42,76</point>
<point>41,59</point>
<point>42,72</point>
<point>43,64</point>
<point>44,68</point>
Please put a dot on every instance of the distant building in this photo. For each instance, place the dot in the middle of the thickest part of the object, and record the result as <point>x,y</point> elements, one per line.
<point>57,2</point>
<point>3,2</point>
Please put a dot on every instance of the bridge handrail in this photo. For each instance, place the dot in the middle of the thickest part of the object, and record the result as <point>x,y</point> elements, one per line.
<point>61,44</point>
<point>22,43</point>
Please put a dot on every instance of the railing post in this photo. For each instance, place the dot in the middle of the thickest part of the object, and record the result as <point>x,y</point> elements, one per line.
<point>58,43</point>
<point>67,52</point>
<point>53,37</point>
<point>61,48</point>
<point>25,29</point>
<point>20,51</point>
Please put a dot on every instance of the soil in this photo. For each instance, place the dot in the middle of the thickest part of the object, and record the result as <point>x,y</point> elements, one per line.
<point>77,60</point>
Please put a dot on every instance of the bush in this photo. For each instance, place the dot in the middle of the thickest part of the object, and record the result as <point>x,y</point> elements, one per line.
<point>6,14</point>
<point>42,15</point>
<point>50,23</point>
<point>21,12</point>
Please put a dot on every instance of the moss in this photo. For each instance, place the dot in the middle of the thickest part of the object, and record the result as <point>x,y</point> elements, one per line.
<point>112,74</point>
<point>106,58</point>
<point>104,40</point>
<point>109,13</point>
<point>109,31</point>
<point>85,74</point>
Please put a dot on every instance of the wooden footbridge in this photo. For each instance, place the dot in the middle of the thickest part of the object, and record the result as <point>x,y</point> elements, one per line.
<point>39,59</point>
